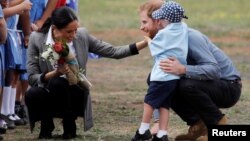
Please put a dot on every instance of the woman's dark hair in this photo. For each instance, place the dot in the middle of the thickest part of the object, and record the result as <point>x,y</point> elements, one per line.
<point>60,17</point>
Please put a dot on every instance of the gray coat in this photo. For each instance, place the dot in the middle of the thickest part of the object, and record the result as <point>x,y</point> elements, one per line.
<point>83,43</point>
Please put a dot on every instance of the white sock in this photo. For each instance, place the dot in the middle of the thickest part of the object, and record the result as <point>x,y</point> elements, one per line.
<point>12,101</point>
<point>144,127</point>
<point>5,101</point>
<point>161,133</point>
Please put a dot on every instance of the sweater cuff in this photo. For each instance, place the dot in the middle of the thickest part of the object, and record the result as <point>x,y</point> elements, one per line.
<point>42,78</point>
<point>133,49</point>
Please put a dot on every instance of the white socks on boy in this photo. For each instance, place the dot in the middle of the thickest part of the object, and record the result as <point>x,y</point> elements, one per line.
<point>143,128</point>
<point>161,133</point>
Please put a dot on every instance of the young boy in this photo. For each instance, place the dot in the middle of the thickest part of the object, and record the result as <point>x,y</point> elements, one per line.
<point>170,41</point>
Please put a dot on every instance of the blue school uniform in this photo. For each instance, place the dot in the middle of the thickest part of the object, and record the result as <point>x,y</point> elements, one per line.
<point>2,66</point>
<point>13,58</point>
<point>2,56</point>
<point>23,52</point>
<point>37,9</point>
<point>72,4</point>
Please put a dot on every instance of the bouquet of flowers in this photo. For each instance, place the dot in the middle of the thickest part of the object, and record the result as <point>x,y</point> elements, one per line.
<point>58,54</point>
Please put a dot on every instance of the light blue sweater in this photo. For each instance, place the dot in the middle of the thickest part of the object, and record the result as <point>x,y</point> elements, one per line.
<point>169,41</point>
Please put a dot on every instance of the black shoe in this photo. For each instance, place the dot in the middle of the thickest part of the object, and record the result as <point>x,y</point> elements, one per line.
<point>3,126</point>
<point>10,123</point>
<point>20,112</point>
<point>18,121</point>
<point>47,127</point>
<point>69,128</point>
<point>69,136</point>
<point>45,135</point>
<point>163,138</point>
<point>1,138</point>
<point>141,137</point>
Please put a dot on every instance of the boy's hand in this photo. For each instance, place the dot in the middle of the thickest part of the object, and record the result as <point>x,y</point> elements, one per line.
<point>147,39</point>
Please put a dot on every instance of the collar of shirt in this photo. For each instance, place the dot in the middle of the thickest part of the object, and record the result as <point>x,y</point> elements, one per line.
<point>50,40</point>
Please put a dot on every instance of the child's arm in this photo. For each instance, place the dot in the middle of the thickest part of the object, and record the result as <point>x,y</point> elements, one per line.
<point>15,2</point>
<point>50,7</point>
<point>25,26</point>
<point>3,31</point>
<point>18,9</point>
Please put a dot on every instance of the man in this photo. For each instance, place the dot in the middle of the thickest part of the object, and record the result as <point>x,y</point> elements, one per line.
<point>209,80</point>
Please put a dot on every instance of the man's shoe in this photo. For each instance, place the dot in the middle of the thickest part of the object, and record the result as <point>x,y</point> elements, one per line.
<point>45,136</point>
<point>194,131</point>
<point>223,121</point>
<point>47,127</point>
<point>69,136</point>
<point>163,138</point>
<point>202,138</point>
<point>141,137</point>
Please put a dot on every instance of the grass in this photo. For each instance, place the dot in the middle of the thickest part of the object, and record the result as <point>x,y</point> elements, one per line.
<point>120,85</point>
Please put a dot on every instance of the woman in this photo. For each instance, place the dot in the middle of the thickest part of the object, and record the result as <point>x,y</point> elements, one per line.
<point>50,94</point>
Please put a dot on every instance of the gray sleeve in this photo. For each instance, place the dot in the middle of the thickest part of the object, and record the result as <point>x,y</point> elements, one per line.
<point>202,64</point>
<point>105,49</point>
<point>156,115</point>
<point>33,68</point>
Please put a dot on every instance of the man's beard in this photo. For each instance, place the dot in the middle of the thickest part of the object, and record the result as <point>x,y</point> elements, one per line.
<point>152,33</point>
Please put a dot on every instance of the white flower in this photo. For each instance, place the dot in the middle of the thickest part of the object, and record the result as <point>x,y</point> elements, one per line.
<point>45,54</point>
<point>56,56</point>
<point>51,56</point>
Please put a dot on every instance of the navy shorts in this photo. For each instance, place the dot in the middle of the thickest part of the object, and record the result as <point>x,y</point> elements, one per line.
<point>160,93</point>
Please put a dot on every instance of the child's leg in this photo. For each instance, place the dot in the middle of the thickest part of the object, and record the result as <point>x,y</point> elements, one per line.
<point>147,113</point>
<point>21,88</point>
<point>143,132</point>
<point>164,117</point>
<point>7,93</point>
<point>12,100</point>
<point>13,92</point>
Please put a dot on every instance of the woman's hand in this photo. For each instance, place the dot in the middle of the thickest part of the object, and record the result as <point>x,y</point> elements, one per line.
<point>63,69</point>
<point>173,66</point>
<point>60,70</point>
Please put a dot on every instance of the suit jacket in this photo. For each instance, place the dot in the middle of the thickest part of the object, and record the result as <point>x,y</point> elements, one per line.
<point>83,43</point>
